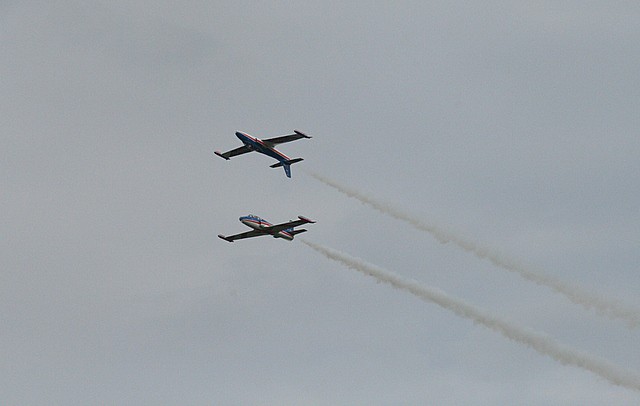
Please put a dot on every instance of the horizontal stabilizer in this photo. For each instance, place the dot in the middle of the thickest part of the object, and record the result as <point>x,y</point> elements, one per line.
<point>300,133</point>
<point>288,162</point>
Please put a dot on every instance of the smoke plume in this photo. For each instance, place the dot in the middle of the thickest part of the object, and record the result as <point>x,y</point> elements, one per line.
<point>603,306</point>
<point>541,343</point>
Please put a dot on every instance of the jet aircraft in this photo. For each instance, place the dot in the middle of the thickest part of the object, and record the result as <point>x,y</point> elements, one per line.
<point>266,147</point>
<point>263,227</point>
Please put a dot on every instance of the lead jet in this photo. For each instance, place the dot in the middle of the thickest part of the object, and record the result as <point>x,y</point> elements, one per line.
<point>266,147</point>
<point>263,227</point>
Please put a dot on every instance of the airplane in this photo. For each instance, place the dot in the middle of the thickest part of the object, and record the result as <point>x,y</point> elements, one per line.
<point>263,227</point>
<point>266,147</point>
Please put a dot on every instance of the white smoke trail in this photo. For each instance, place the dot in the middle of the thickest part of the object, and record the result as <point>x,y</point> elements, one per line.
<point>603,306</point>
<point>541,343</point>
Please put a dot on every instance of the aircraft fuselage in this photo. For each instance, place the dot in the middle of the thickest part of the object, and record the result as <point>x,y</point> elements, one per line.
<point>257,145</point>
<point>258,223</point>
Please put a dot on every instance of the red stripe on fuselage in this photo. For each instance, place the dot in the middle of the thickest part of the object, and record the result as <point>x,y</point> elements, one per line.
<point>256,222</point>
<point>265,146</point>
<point>261,225</point>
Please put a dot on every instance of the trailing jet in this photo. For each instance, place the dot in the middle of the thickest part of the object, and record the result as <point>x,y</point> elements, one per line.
<point>263,227</point>
<point>266,147</point>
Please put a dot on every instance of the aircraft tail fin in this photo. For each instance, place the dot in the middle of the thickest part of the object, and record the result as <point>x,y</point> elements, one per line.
<point>286,165</point>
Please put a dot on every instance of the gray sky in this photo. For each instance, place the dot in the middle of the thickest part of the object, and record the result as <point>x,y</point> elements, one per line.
<point>513,124</point>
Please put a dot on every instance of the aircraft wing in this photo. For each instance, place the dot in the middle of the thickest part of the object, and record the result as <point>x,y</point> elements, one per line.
<point>286,138</point>
<point>248,234</point>
<point>289,224</point>
<point>238,151</point>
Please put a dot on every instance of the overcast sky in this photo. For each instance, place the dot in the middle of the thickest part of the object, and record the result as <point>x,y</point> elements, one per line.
<point>514,124</point>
